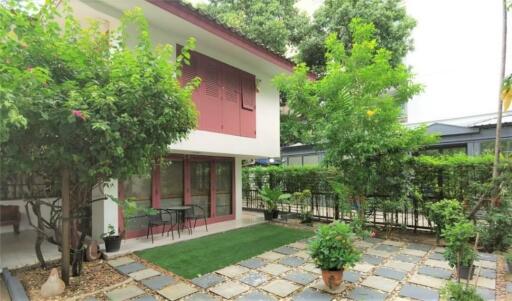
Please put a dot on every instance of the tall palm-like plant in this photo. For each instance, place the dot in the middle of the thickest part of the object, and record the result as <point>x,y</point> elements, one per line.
<point>272,196</point>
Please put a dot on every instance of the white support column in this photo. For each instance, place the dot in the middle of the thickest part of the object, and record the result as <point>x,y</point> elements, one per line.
<point>104,212</point>
<point>238,187</point>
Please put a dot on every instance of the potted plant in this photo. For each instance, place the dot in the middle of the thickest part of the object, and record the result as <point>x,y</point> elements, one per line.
<point>459,252</point>
<point>111,239</point>
<point>271,197</point>
<point>301,199</point>
<point>333,250</point>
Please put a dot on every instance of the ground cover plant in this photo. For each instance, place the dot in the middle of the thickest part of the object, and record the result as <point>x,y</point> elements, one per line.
<point>210,253</point>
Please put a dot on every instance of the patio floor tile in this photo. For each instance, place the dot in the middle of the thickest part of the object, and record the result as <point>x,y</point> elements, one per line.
<point>292,261</point>
<point>419,293</point>
<point>310,267</point>
<point>361,244</point>
<point>271,256</point>
<point>400,265</point>
<point>380,283</point>
<point>484,282</point>
<point>427,281</point>
<point>371,259</point>
<point>390,273</point>
<point>230,289</point>
<point>436,256</point>
<point>351,276</point>
<point>299,245</point>
<point>439,249</point>
<point>363,267</point>
<point>254,278</point>
<point>158,282</point>
<point>286,250</point>
<point>256,296</point>
<point>274,269</point>
<point>406,258</point>
<point>387,248</point>
<point>438,264</point>
<point>130,268</point>
<point>413,252</point>
<point>435,272</point>
<point>380,253</point>
<point>420,247</point>
<point>120,261</point>
<point>364,293</point>
<point>279,287</point>
<point>374,240</point>
<point>300,277</point>
<point>488,273</point>
<point>303,254</point>
<point>487,257</point>
<point>145,298</point>
<point>200,297</point>
<point>143,274</point>
<point>177,291</point>
<point>208,280</point>
<point>486,264</point>
<point>394,243</point>
<point>253,263</point>
<point>509,287</point>
<point>320,285</point>
<point>124,293</point>
<point>311,295</point>
<point>233,271</point>
<point>487,294</point>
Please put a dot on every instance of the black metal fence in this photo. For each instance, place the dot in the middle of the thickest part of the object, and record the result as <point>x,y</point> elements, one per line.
<point>325,206</point>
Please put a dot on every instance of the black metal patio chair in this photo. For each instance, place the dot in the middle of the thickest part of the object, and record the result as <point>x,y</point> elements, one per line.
<point>162,218</point>
<point>195,213</point>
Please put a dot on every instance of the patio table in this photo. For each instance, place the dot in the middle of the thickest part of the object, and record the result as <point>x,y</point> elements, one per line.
<point>180,214</point>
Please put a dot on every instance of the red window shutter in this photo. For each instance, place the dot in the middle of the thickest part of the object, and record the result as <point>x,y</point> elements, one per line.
<point>189,72</point>
<point>231,100</point>
<point>248,108</point>
<point>210,105</point>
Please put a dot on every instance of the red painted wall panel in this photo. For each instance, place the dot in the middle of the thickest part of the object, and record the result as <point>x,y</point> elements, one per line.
<point>231,101</point>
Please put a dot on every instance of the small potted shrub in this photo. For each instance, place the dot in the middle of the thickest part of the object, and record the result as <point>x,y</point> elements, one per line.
<point>271,197</point>
<point>444,213</point>
<point>459,251</point>
<point>301,199</point>
<point>458,292</point>
<point>333,250</point>
<point>111,239</point>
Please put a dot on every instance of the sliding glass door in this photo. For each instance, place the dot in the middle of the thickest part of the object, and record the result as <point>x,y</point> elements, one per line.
<point>138,188</point>
<point>171,184</point>
<point>200,185</point>
<point>224,185</point>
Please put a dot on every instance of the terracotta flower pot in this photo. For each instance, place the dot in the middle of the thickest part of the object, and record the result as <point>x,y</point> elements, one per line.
<point>332,279</point>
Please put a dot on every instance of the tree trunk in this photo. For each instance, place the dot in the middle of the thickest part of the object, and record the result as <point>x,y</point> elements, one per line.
<point>65,226</point>
<point>40,236</point>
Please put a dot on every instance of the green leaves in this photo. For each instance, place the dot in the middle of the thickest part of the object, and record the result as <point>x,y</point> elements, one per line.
<point>459,251</point>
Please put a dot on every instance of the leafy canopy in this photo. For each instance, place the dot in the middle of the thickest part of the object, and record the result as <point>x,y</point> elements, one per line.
<point>82,99</point>
<point>354,110</point>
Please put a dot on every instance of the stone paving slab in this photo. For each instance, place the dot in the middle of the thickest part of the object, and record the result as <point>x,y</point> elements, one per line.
<point>299,245</point>
<point>371,259</point>
<point>143,274</point>
<point>406,258</point>
<point>303,254</point>
<point>275,269</point>
<point>378,253</point>
<point>351,276</point>
<point>413,252</point>
<point>380,283</point>
<point>438,264</point>
<point>363,293</point>
<point>256,296</point>
<point>311,295</point>
<point>486,264</point>
<point>124,293</point>
<point>200,297</point>
<point>400,265</point>
<point>281,288</point>
<point>427,281</point>
<point>300,277</point>
<point>311,268</point>
<point>420,247</point>
<point>120,261</point>
<point>374,240</point>
<point>320,285</point>
<point>292,261</point>
<point>487,273</point>
<point>390,273</point>
<point>436,256</point>
<point>435,272</point>
<point>363,267</point>
<point>130,268</point>
<point>232,271</point>
<point>419,293</point>
<point>208,280</point>
<point>509,287</point>
<point>177,291</point>
<point>271,256</point>
<point>361,244</point>
<point>439,249</point>
<point>230,289</point>
<point>254,278</point>
<point>387,248</point>
<point>487,294</point>
<point>484,282</point>
<point>145,298</point>
<point>253,263</point>
<point>158,282</point>
<point>394,243</point>
<point>286,250</point>
<point>487,257</point>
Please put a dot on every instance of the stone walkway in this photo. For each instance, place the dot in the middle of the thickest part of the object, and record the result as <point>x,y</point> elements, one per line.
<point>389,270</point>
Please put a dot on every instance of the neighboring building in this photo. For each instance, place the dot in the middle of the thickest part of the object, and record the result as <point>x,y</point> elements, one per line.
<point>471,135</point>
<point>238,115</point>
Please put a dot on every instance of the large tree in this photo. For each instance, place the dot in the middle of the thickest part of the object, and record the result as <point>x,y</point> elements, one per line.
<point>392,28</point>
<point>92,107</point>
<point>277,24</point>
<point>354,109</point>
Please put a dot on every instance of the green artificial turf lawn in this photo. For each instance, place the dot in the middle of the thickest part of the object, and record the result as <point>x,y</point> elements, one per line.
<point>207,254</point>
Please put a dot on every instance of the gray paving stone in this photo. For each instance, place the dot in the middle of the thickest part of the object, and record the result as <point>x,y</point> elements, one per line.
<point>281,288</point>
<point>256,296</point>
<point>177,291</point>
<point>228,290</point>
<point>435,272</point>
<point>351,276</point>
<point>374,240</point>
<point>509,287</point>
<point>300,277</point>
<point>275,269</point>
<point>387,248</point>
<point>420,247</point>
<point>208,280</point>
<point>292,261</point>
<point>254,278</point>
<point>363,293</point>
<point>158,282</point>
<point>371,259</point>
<point>120,261</point>
<point>145,298</point>
<point>488,273</point>
<point>380,283</point>
<point>390,273</point>
<point>419,293</point>
<point>407,258</point>
<point>399,265</point>
<point>286,250</point>
<point>124,293</point>
<point>253,263</point>
<point>143,274</point>
<point>437,256</point>
<point>487,256</point>
<point>487,294</point>
<point>233,271</point>
<point>130,268</point>
<point>312,295</point>
<point>200,297</point>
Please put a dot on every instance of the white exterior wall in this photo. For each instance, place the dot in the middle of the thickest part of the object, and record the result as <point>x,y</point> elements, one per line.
<point>104,212</point>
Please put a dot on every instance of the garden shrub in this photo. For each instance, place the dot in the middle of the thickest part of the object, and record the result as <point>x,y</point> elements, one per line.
<point>459,292</point>
<point>445,213</point>
<point>459,251</point>
<point>495,227</point>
